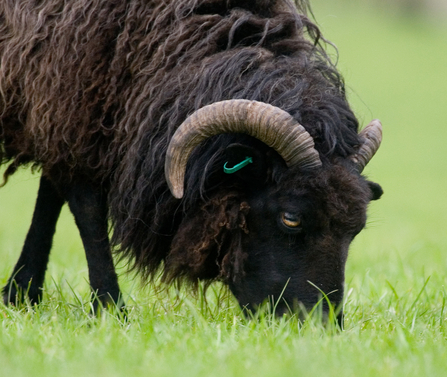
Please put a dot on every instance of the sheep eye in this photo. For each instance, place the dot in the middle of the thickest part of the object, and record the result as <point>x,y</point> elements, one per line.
<point>290,220</point>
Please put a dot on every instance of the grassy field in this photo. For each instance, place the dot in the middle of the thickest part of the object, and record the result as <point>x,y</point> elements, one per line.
<point>396,70</point>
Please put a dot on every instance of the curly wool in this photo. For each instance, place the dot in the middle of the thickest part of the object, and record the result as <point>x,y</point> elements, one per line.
<point>97,88</point>
<point>199,248</point>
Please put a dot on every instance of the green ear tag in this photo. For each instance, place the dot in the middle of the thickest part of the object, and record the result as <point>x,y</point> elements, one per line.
<point>235,168</point>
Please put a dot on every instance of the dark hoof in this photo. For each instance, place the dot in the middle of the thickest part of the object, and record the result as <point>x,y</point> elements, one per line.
<point>16,294</point>
<point>118,307</point>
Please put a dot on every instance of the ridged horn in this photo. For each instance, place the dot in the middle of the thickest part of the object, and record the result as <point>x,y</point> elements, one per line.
<point>372,137</point>
<point>268,123</point>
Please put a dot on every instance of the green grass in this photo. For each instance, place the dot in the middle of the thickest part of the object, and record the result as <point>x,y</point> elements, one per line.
<point>396,70</point>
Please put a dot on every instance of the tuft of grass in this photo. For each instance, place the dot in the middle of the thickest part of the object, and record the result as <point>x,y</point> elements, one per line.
<point>168,333</point>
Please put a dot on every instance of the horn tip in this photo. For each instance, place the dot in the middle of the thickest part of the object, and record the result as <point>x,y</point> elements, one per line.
<point>376,123</point>
<point>177,192</point>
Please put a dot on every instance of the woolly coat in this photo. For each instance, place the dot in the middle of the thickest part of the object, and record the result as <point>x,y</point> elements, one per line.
<point>93,89</point>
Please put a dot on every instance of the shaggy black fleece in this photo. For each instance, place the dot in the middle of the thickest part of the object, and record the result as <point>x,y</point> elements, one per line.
<point>95,89</point>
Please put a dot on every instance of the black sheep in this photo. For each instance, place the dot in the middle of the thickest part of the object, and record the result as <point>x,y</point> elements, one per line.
<point>91,94</point>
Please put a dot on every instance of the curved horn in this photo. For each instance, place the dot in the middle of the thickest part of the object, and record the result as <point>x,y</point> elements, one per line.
<point>268,123</point>
<point>372,137</point>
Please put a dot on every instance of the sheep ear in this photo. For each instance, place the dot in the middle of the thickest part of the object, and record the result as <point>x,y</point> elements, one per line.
<point>245,164</point>
<point>376,190</point>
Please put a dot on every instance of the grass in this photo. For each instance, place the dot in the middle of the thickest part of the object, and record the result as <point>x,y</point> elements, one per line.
<point>396,314</point>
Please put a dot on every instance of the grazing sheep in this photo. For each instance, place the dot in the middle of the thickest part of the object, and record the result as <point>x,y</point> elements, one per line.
<point>214,135</point>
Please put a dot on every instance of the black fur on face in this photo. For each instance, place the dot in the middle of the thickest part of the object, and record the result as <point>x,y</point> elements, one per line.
<point>299,234</point>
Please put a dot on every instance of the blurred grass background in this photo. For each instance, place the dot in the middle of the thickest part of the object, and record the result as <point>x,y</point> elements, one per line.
<point>393,55</point>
